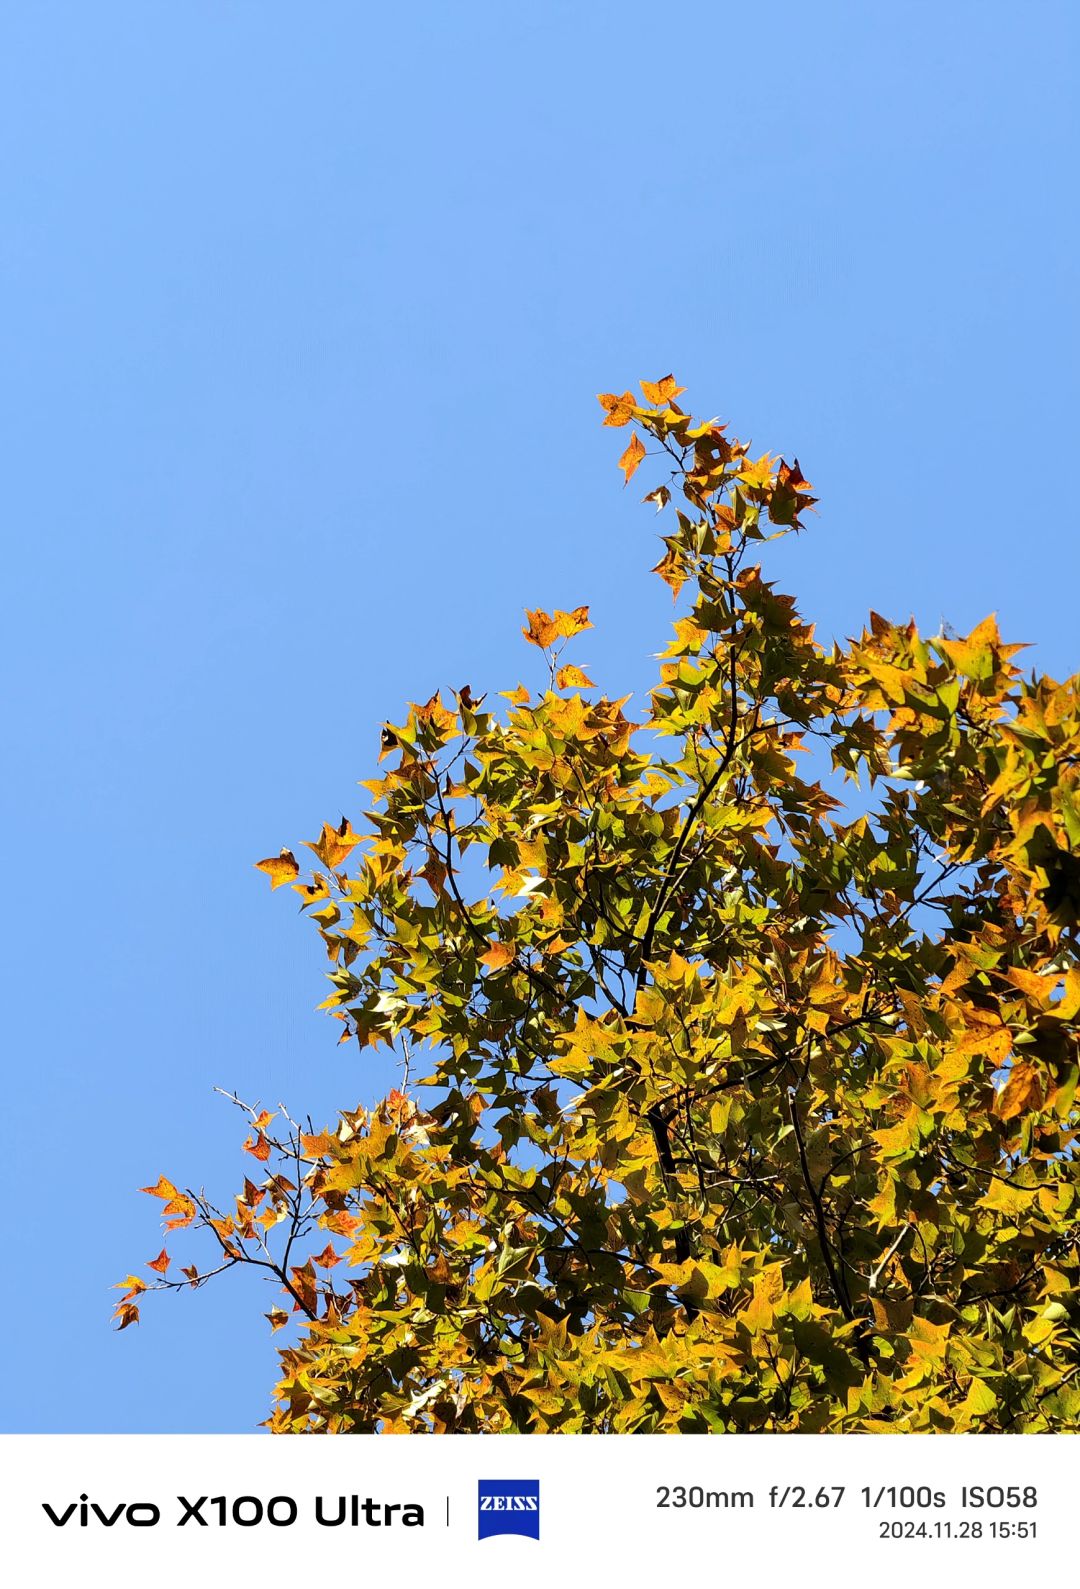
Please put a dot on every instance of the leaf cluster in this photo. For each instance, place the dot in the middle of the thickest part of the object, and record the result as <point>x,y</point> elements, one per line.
<point>747,1029</point>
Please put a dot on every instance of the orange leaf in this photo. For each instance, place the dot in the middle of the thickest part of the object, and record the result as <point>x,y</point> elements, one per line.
<point>498,956</point>
<point>127,1313</point>
<point>620,410</point>
<point>258,1147</point>
<point>1023,1091</point>
<point>322,1144</point>
<point>334,844</point>
<point>660,393</point>
<point>305,1288</point>
<point>163,1188</point>
<point>280,868</point>
<point>340,1223</point>
<point>182,1208</point>
<point>161,1262</point>
<point>328,1257</point>
<point>631,458</point>
<point>545,628</point>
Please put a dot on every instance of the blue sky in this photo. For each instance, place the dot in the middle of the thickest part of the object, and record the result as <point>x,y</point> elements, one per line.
<point>306,309</point>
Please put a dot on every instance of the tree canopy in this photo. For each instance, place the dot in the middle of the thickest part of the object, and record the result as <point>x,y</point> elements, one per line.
<point>740,1036</point>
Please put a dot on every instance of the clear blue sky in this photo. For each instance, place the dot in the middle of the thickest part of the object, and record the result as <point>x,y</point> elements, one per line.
<point>305,311</point>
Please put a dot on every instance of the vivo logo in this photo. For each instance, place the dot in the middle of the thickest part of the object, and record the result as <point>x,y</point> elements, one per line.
<point>84,1513</point>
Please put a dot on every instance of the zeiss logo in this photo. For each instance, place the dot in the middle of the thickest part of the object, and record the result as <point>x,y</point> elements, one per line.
<point>509,1506</point>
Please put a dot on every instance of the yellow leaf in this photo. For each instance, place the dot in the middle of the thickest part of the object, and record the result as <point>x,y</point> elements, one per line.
<point>758,475</point>
<point>928,1340</point>
<point>130,1287</point>
<point>280,868</point>
<point>572,678</point>
<point>979,1400</point>
<point>545,628</point>
<point>334,844</point>
<point>567,717</point>
<point>900,1138</point>
<point>1023,1091</point>
<point>974,656</point>
<point>983,1038</point>
<point>660,393</point>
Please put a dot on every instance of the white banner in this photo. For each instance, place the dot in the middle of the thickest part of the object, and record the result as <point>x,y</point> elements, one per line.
<point>743,1510</point>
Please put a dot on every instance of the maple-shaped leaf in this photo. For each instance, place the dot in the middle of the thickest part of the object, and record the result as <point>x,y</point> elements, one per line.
<point>1022,1091</point>
<point>790,494</point>
<point>672,569</point>
<point>305,1288</point>
<point>131,1287</point>
<point>498,956</point>
<point>572,678</point>
<point>620,410</point>
<point>258,1147</point>
<point>282,868</point>
<point>631,458</point>
<point>659,393</point>
<point>182,1209</point>
<point>758,476</point>
<point>334,845</point>
<point>545,628</point>
<point>160,1263</point>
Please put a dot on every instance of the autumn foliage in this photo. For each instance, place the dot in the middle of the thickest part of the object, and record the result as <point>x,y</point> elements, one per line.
<point>740,1083</point>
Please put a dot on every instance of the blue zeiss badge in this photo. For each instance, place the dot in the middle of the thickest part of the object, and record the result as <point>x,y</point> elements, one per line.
<point>509,1506</point>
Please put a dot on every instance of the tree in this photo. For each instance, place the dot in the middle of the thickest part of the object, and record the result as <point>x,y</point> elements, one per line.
<point>749,1092</point>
